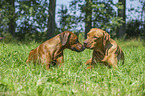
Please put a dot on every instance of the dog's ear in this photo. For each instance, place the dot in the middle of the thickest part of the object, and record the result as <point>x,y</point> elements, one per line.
<point>64,37</point>
<point>105,38</point>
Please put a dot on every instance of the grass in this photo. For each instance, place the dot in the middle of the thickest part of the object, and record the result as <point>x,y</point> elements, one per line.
<point>18,78</point>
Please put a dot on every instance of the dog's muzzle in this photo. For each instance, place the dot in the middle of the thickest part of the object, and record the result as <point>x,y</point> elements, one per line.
<point>85,43</point>
<point>78,49</point>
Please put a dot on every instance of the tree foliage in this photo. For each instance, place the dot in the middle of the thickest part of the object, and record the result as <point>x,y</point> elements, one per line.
<point>28,19</point>
<point>67,21</point>
<point>31,17</point>
<point>133,28</point>
<point>103,14</point>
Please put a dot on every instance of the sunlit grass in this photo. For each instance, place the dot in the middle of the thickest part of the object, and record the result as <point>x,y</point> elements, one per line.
<point>18,78</point>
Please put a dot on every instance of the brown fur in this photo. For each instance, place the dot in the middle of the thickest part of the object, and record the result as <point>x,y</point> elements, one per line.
<point>105,49</point>
<point>52,50</point>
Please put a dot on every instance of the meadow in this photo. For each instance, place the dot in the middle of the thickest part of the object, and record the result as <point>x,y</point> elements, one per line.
<point>20,79</point>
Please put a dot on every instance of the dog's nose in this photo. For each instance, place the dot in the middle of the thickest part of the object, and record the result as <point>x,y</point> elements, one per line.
<point>85,42</point>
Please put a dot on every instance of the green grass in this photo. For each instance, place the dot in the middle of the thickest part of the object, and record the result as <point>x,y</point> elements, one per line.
<point>18,78</point>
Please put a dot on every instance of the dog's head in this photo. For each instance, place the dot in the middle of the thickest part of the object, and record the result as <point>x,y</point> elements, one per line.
<point>95,38</point>
<point>70,40</point>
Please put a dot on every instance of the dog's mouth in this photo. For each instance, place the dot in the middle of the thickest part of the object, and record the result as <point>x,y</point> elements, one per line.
<point>88,46</point>
<point>78,49</point>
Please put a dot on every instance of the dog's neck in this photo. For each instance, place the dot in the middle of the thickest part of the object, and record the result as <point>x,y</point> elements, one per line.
<point>102,49</point>
<point>56,47</point>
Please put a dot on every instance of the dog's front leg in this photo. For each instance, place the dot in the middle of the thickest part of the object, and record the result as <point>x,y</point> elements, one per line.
<point>59,61</point>
<point>89,61</point>
<point>46,60</point>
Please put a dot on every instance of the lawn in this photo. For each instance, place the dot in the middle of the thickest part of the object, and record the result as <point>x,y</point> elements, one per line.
<point>18,78</point>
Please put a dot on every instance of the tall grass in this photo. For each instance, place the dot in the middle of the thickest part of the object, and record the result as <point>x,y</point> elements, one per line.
<point>18,78</point>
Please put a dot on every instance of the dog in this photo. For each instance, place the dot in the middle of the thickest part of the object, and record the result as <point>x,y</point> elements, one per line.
<point>51,51</point>
<point>105,50</point>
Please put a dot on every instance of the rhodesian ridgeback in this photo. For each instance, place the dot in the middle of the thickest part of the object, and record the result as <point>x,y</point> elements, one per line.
<point>105,50</point>
<point>51,51</point>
